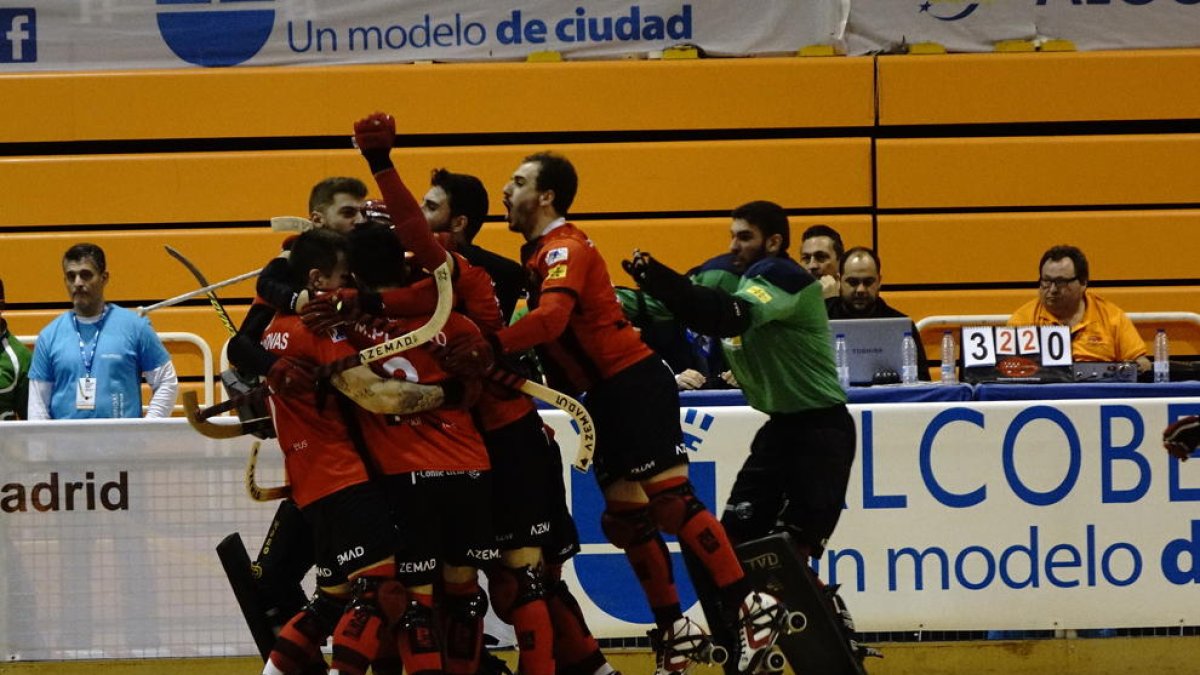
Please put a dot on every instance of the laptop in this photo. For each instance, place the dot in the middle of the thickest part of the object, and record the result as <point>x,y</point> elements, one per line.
<point>873,344</point>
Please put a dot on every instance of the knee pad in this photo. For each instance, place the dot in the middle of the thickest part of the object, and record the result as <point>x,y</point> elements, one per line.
<point>466,607</point>
<point>380,595</point>
<point>529,586</point>
<point>627,528</point>
<point>673,507</point>
<point>417,617</point>
<point>326,610</point>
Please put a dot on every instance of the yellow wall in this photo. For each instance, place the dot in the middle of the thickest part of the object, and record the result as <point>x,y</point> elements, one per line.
<point>959,169</point>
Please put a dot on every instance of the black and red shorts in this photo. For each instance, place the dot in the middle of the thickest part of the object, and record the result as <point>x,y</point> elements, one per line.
<point>351,530</point>
<point>529,499</point>
<point>636,413</point>
<point>443,517</point>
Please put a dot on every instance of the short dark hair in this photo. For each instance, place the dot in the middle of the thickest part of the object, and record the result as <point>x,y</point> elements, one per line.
<point>556,172</point>
<point>825,231</point>
<point>768,217</point>
<point>864,250</point>
<point>376,256</point>
<point>82,251</point>
<point>315,249</point>
<point>467,198</point>
<point>322,193</point>
<point>1066,251</point>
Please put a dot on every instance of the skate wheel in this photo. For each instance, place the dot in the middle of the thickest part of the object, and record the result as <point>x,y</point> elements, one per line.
<point>718,655</point>
<point>796,622</point>
<point>775,661</point>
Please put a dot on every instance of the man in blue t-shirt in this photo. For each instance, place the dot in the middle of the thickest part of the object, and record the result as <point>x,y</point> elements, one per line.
<point>89,362</point>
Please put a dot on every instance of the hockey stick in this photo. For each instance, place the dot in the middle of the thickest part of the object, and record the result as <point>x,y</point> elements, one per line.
<point>256,491</point>
<point>191,407</point>
<point>143,311</point>
<point>567,404</point>
<point>291,224</point>
<point>198,419</point>
<point>212,295</point>
<point>419,336</point>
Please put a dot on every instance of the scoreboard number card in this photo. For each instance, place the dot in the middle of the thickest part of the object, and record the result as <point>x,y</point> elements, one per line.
<point>1056,345</point>
<point>1028,342</point>
<point>1006,341</point>
<point>1017,353</point>
<point>978,346</point>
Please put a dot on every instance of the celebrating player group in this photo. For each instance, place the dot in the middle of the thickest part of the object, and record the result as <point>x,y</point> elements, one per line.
<point>416,460</point>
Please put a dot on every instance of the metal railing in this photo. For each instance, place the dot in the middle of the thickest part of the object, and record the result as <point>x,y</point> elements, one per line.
<point>173,336</point>
<point>941,320</point>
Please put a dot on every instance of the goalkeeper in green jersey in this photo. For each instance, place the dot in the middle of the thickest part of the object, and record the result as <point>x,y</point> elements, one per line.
<point>770,317</point>
<point>769,314</point>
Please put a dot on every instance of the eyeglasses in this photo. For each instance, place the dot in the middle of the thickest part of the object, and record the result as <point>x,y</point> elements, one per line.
<point>1060,283</point>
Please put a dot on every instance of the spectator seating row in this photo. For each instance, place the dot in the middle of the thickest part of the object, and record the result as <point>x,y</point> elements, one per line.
<point>959,169</point>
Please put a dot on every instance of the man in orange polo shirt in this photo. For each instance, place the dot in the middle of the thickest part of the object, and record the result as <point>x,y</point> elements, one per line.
<point>1100,331</point>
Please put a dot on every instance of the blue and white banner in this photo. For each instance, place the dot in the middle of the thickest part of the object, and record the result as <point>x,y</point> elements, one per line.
<point>1121,24</point>
<point>969,516</point>
<point>960,516</point>
<point>977,25</point>
<point>133,34</point>
<point>889,26</point>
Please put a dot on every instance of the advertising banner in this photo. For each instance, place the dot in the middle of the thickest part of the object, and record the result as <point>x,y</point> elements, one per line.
<point>888,26</point>
<point>1121,24</point>
<point>960,516</point>
<point>977,25</point>
<point>134,34</point>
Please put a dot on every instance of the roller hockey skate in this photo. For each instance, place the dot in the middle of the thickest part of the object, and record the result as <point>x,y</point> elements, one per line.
<point>761,620</point>
<point>685,644</point>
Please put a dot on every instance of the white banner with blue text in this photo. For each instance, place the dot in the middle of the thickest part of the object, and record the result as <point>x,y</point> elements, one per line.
<point>959,516</point>
<point>128,34</point>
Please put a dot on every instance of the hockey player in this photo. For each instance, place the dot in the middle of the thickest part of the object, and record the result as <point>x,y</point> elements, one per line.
<point>534,528</point>
<point>775,336</point>
<point>586,345</point>
<point>331,485</point>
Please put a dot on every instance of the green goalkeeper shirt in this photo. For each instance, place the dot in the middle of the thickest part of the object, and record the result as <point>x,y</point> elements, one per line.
<point>14,375</point>
<point>784,361</point>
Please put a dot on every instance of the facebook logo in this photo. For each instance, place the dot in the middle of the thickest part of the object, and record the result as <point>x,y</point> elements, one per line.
<point>19,30</point>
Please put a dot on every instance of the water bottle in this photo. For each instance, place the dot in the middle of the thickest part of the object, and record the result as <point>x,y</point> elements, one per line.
<point>841,357</point>
<point>908,363</point>
<point>1162,357</point>
<point>949,374</point>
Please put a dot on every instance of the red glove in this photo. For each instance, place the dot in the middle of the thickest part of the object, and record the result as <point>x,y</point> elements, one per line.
<point>467,355</point>
<point>375,132</point>
<point>289,376</point>
<point>330,310</point>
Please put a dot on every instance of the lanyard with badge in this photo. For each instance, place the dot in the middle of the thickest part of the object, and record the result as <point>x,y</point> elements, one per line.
<point>85,389</point>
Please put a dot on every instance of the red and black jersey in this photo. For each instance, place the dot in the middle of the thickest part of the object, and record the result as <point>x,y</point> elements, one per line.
<point>438,440</point>
<point>575,320</point>
<point>474,296</point>
<point>318,454</point>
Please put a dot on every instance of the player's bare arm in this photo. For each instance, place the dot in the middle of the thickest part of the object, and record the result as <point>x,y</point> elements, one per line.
<point>387,396</point>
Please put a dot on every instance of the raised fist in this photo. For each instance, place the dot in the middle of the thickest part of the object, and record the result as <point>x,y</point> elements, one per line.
<point>375,132</point>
